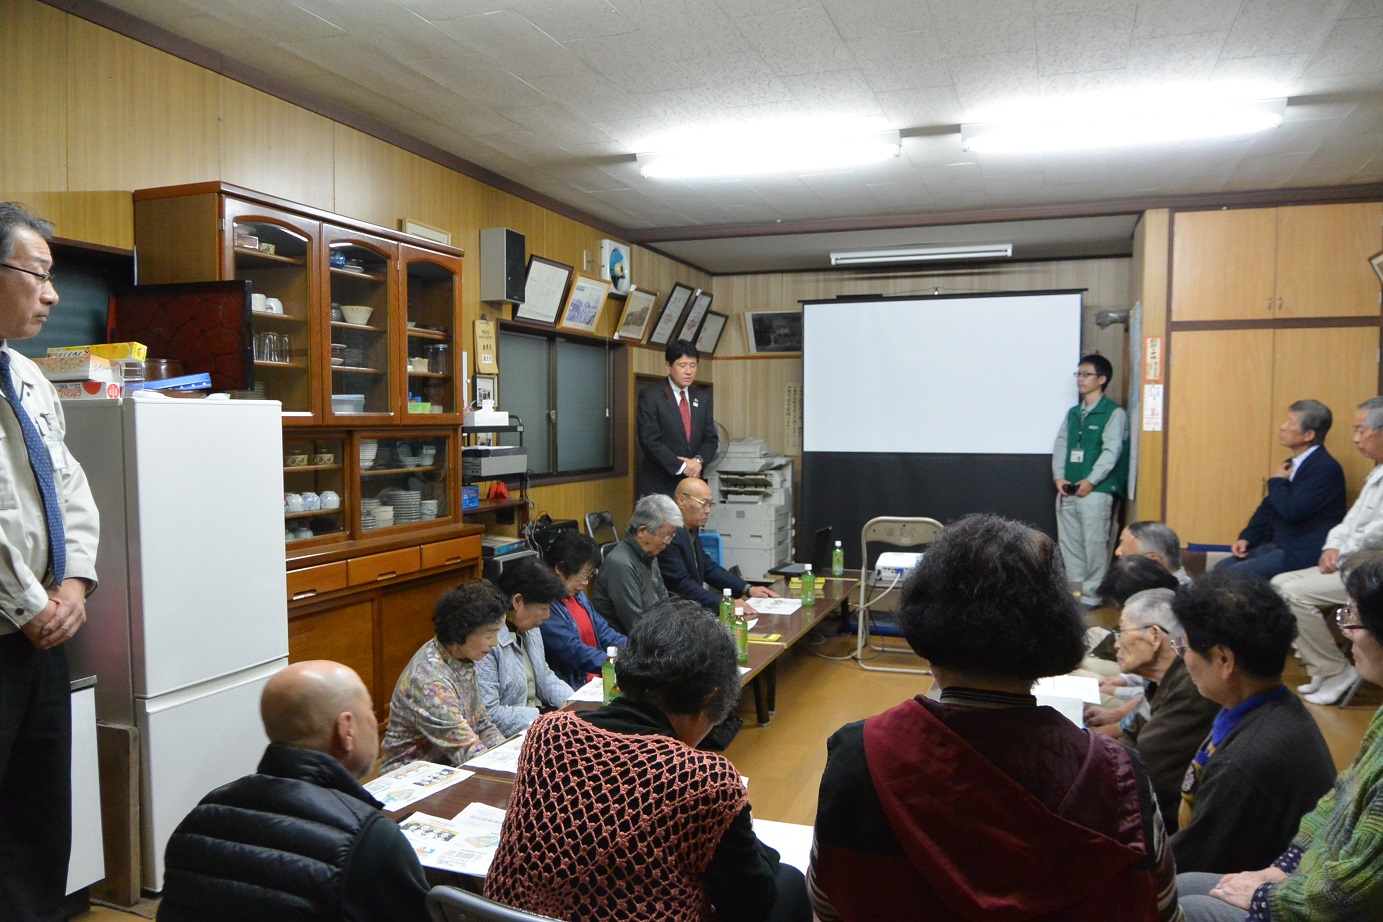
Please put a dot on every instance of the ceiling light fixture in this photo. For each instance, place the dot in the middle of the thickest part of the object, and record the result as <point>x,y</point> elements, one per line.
<point>921,254</point>
<point>777,152</point>
<point>1123,126</point>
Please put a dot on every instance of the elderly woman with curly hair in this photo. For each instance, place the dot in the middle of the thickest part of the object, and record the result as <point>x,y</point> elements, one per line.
<point>982,804</point>
<point>615,813</point>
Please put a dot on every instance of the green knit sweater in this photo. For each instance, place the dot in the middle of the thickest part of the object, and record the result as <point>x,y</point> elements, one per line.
<point>1341,846</point>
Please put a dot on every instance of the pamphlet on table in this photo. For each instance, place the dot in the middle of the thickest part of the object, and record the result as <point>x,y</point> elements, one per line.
<point>594,690</point>
<point>413,782</point>
<point>465,844</point>
<point>774,606</point>
<point>503,758</point>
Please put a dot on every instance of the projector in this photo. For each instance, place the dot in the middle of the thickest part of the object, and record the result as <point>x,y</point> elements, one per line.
<point>894,565</point>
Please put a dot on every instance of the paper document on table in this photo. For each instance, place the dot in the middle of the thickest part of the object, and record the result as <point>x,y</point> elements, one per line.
<point>743,670</point>
<point>1073,709</point>
<point>465,844</point>
<point>594,690</point>
<point>1083,688</point>
<point>749,625</point>
<point>776,606</point>
<point>413,782</point>
<point>503,758</point>
<point>792,840</point>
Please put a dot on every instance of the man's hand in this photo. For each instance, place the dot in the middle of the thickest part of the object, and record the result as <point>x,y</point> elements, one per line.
<point>1238,889</point>
<point>761,592</point>
<point>693,467</point>
<point>1084,487</point>
<point>1283,471</point>
<point>1330,560</point>
<point>1239,548</point>
<point>60,619</point>
<point>1061,485</point>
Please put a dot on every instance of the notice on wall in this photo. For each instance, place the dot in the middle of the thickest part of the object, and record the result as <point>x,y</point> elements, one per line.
<point>1152,359</point>
<point>486,358</point>
<point>1152,407</point>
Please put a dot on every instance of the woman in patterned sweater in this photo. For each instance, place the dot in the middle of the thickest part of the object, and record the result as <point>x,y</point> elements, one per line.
<point>1332,870</point>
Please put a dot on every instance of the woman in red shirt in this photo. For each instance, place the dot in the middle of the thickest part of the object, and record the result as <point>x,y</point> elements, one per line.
<point>575,636</point>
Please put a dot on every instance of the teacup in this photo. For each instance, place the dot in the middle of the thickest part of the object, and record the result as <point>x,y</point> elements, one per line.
<point>311,502</point>
<point>303,532</point>
<point>273,305</point>
<point>330,500</point>
<point>293,502</point>
<point>257,301</point>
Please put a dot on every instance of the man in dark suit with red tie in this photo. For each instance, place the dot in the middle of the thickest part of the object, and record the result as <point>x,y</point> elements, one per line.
<point>676,425</point>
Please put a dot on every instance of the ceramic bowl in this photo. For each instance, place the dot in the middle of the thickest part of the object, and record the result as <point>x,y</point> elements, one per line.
<point>295,459</point>
<point>311,502</point>
<point>324,457</point>
<point>292,502</point>
<point>330,500</point>
<point>357,313</point>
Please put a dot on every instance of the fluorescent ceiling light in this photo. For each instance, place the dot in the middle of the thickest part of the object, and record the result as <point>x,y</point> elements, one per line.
<point>776,152</point>
<point>921,254</point>
<point>1124,126</point>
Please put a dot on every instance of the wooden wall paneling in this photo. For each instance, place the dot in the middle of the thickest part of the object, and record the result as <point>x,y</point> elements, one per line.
<point>1224,264</point>
<point>1220,401</point>
<point>1148,284</point>
<point>136,118</point>
<point>344,632</point>
<point>33,145</point>
<point>1322,260</point>
<point>275,147</point>
<point>178,239</point>
<point>405,625</point>
<point>1337,366</point>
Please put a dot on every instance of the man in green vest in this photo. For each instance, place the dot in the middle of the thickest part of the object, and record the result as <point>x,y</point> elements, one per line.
<point>1090,468</point>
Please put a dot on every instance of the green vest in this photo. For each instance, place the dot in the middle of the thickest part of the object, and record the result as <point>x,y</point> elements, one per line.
<point>1089,436</point>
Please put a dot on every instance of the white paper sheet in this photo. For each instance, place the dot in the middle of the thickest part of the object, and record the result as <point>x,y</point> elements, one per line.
<point>774,606</point>
<point>792,840</point>
<point>594,690</point>
<point>1083,688</point>
<point>465,844</point>
<point>503,758</point>
<point>413,782</point>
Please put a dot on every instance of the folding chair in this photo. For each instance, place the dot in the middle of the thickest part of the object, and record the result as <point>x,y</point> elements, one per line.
<point>601,527</point>
<point>902,533</point>
<point>452,904</point>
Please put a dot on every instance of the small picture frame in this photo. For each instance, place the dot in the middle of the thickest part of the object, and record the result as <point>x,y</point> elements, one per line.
<point>712,328</point>
<point>614,267</point>
<point>677,301</point>
<point>1376,260</point>
<point>545,290</point>
<point>585,303</point>
<point>773,331</point>
<point>638,310</point>
<point>486,387</point>
<point>700,304</point>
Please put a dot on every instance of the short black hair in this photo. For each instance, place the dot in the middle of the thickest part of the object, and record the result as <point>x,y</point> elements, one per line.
<point>1242,612</point>
<point>678,658</point>
<point>462,610</point>
<point>989,598</point>
<point>681,348</point>
<point>530,578</point>
<point>1101,365</point>
<point>1134,574</point>
<point>13,217</point>
<point>571,552</point>
<point>1364,583</point>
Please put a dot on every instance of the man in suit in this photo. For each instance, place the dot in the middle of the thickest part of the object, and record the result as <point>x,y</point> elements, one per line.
<point>1306,498</point>
<point>676,425</point>
<point>686,567</point>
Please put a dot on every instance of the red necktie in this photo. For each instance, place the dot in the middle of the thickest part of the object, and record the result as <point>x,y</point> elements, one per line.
<point>686,414</point>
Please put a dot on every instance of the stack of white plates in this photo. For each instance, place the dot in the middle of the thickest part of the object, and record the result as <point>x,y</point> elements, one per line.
<point>368,449</point>
<point>429,509</point>
<point>407,505</point>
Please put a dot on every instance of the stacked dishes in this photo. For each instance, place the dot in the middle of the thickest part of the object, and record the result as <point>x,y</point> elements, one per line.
<point>429,509</point>
<point>368,449</point>
<point>367,512</point>
<point>407,505</point>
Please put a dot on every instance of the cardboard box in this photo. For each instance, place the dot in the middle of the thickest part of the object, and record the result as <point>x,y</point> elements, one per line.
<point>113,351</point>
<point>77,367</point>
<point>86,390</point>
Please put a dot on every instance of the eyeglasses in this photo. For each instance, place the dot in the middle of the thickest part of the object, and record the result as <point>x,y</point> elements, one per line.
<point>45,278</point>
<point>703,503</point>
<point>1179,645</point>
<point>1086,374</point>
<point>1118,632</point>
<point>1348,619</point>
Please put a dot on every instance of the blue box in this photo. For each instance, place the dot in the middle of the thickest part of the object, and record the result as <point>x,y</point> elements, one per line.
<point>710,540</point>
<point>470,498</point>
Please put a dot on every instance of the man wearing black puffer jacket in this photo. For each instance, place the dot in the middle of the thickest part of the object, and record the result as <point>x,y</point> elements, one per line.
<point>299,839</point>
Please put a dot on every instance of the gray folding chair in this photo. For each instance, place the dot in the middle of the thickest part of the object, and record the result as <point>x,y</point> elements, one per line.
<point>601,527</point>
<point>898,532</point>
<point>452,904</point>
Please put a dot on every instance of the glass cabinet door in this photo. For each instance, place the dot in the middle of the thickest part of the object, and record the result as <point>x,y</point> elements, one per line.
<point>314,487</point>
<point>361,274</point>
<point>404,481</point>
<point>431,294</point>
<point>274,252</point>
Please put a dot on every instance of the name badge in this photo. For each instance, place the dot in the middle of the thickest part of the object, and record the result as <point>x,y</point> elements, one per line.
<point>1077,455</point>
<point>57,451</point>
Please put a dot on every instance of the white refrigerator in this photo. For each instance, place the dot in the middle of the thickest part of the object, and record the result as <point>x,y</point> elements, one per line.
<point>190,618</point>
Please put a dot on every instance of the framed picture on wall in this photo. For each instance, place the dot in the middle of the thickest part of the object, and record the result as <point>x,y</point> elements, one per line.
<point>614,267</point>
<point>773,331</point>
<point>677,301</point>
<point>544,291</point>
<point>701,303</point>
<point>584,304</point>
<point>712,328</point>
<point>638,310</point>
<point>487,388</point>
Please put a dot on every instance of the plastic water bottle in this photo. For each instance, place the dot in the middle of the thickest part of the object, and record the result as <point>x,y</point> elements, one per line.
<point>727,608</point>
<point>808,587</point>
<point>838,561</point>
<point>741,632</point>
<point>607,675</point>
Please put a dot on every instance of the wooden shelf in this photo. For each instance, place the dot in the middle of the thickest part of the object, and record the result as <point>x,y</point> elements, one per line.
<point>261,363</point>
<point>297,468</point>
<point>383,472</point>
<point>252,256</point>
<point>427,374</point>
<point>356,369</point>
<point>364,328</point>
<point>280,318</point>
<point>314,512</point>
<point>487,505</point>
<point>348,273</point>
<point>428,334</point>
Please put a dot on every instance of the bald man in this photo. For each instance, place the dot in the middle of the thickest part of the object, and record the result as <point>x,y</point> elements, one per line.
<point>686,567</point>
<point>301,838</point>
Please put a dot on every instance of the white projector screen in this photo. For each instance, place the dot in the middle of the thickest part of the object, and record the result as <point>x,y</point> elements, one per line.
<point>989,374</point>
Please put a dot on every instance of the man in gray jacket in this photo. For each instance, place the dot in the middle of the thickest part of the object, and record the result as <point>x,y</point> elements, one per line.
<point>629,582</point>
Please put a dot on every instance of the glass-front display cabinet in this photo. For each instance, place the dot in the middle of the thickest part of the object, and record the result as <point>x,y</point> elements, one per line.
<point>315,497</point>
<point>361,275</point>
<point>405,481</point>
<point>431,286</point>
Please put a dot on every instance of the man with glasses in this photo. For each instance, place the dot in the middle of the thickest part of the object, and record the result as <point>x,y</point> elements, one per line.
<point>629,582</point>
<point>1313,589</point>
<point>48,535</point>
<point>1090,468</point>
<point>686,567</point>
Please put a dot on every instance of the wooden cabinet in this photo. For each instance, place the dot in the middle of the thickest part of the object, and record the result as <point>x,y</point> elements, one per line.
<point>1276,263</point>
